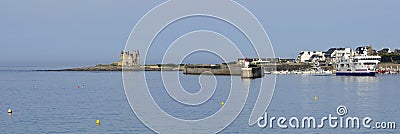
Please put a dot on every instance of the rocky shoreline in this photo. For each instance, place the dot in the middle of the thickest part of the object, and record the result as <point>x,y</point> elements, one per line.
<point>119,68</point>
<point>93,68</point>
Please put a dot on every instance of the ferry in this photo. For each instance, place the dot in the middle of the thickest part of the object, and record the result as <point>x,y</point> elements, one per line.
<point>362,65</point>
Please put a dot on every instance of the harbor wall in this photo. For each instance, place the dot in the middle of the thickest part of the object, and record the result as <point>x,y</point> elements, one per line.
<point>252,72</point>
<point>218,69</point>
<point>291,67</point>
<point>235,69</point>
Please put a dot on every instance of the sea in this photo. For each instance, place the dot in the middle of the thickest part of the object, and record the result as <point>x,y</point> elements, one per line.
<point>71,102</point>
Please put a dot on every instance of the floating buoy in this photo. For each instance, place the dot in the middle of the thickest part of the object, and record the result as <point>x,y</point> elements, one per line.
<point>222,103</point>
<point>315,98</point>
<point>97,122</point>
<point>9,111</point>
<point>79,86</point>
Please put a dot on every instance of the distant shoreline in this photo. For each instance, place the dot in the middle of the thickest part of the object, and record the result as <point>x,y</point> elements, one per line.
<point>173,67</point>
<point>111,67</point>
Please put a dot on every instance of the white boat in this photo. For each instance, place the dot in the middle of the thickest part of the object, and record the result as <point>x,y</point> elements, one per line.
<point>306,72</point>
<point>362,65</point>
<point>393,72</point>
<point>267,72</point>
<point>275,72</point>
<point>328,72</point>
<point>318,71</point>
<point>284,72</point>
<point>295,72</point>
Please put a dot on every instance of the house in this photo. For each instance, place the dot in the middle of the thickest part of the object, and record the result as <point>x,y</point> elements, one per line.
<point>308,56</point>
<point>333,54</point>
<point>365,50</point>
<point>384,51</point>
<point>396,51</point>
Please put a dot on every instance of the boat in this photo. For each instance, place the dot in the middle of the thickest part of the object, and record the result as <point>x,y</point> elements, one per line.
<point>275,72</point>
<point>295,72</point>
<point>267,72</point>
<point>361,65</point>
<point>284,72</point>
<point>306,72</point>
<point>318,71</point>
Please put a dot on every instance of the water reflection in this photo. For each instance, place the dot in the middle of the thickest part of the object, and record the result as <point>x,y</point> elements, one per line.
<point>361,84</point>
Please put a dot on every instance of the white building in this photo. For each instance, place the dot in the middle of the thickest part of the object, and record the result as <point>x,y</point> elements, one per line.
<point>333,54</point>
<point>364,50</point>
<point>308,56</point>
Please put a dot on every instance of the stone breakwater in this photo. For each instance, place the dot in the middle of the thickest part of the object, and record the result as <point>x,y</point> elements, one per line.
<point>216,69</point>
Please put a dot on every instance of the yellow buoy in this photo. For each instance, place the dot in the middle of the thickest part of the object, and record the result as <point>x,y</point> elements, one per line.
<point>9,111</point>
<point>97,122</point>
<point>315,98</point>
<point>222,103</point>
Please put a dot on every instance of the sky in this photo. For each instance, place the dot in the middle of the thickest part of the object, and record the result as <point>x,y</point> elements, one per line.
<point>76,32</point>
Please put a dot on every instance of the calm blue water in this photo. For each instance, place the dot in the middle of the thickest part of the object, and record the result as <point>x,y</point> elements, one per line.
<point>51,102</point>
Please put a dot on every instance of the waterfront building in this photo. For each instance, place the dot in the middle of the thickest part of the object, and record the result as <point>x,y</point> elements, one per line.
<point>365,50</point>
<point>384,51</point>
<point>334,54</point>
<point>308,56</point>
<point>396,51</point>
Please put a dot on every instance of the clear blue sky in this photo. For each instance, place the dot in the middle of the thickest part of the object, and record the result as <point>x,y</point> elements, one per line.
<point>76,32</point>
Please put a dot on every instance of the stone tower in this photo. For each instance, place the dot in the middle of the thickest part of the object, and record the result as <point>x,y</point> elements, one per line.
<point>129,59</point>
